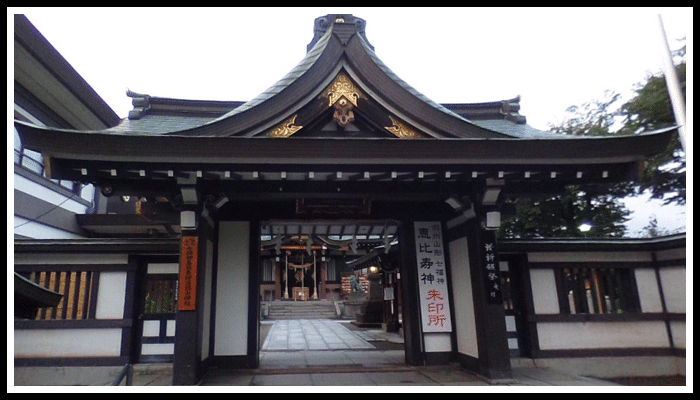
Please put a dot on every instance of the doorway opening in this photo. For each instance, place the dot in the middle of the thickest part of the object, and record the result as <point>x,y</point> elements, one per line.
<point>330,294</point>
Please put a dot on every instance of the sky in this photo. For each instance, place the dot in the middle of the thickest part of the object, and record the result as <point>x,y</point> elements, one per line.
<point>551,57</point>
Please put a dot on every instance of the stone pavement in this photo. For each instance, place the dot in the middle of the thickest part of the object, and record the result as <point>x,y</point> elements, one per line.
<point>312,334</point>
<point>327,353</point>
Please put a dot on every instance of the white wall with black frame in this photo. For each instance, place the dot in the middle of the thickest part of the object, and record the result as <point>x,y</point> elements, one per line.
<point>616,308</point>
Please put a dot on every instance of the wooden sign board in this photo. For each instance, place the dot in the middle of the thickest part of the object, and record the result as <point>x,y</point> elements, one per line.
<point>187,295</point>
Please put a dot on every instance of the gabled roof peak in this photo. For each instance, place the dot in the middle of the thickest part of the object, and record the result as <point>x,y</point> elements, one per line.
<point>344,25</point>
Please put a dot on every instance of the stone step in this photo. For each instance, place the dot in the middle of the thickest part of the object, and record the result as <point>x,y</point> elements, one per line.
<point>300,310</point>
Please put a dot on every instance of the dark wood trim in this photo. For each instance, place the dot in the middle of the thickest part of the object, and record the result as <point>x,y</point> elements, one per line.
<point>230,362</point>
<point>611,352</point>
<point>413,337</point>
<point>438,358</point>
<point>129,308</point>
<point>494,356</point>
<point>100,245</point>
<point>74,267</point>
<point>592,264</point>
<point>254,294</point>
<point>186,361</point>
<point>94,291</point>
<point>600,245</point>
<point>157,339</point>
<point>156,358</point>
<point>629,317</point>
<point>74,324</point>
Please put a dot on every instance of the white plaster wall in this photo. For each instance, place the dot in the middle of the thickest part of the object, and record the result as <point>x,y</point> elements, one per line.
<point>596,335</point>
<point>465,322</point>
<point>67,343</point>
<point>111,295</point>
<point>151,349</point>
<point>544,291</point>
<point>163,268</point>
<point>648,289</point>
<point>673,282</point>
<point>231,335</point>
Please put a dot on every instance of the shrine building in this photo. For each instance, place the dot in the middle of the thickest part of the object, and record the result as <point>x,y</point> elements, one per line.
<point>216,209</point>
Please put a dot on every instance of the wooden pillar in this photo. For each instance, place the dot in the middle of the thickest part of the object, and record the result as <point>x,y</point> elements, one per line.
<point>494,356</point>
<point>276,271</point>
<point>482,344</point>
<point>322,280</point>
<point>189,319</point>
<point>413,340</point>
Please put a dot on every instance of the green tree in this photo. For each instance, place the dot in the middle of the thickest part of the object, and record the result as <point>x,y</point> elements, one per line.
<point>594,118</point>
<point>599,205</point>
<point>563,215</point>
<point>664,174</point>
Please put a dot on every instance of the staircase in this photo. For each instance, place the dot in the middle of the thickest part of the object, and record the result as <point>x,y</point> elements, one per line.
<point>289,309</point>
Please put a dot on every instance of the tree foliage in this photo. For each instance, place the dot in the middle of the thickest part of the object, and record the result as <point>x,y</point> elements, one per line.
<point>664,174</point>
<point>600,205</point>
<point>563,215</point>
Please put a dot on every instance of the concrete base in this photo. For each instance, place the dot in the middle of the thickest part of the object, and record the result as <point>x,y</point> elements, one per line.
<point>610,367</point>
<point>144,375</point>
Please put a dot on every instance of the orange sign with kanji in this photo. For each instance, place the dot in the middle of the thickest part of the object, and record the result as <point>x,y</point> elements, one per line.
<point>188,274</point>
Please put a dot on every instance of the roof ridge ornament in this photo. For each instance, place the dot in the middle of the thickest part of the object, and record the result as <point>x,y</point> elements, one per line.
<point>342,86</point>
<point>343,95</point>
<point>322,24</point>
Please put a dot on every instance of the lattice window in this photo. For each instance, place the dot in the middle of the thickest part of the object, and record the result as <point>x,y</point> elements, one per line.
<point>161,296</point>
<point>598,291</point>
<point>77,288</point>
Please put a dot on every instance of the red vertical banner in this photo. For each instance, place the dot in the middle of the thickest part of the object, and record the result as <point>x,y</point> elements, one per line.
<point>188,273</point>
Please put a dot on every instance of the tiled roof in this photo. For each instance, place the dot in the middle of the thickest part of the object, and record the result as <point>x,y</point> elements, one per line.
<point>311,57</point>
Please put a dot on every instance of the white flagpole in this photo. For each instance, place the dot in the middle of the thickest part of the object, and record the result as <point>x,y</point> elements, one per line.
<point>674,88</point>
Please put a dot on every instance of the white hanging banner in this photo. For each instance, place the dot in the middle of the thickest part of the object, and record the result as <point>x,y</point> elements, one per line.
<point>432,279</point>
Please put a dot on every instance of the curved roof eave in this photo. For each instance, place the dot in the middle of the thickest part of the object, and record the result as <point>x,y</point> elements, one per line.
<point>100,146</point>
